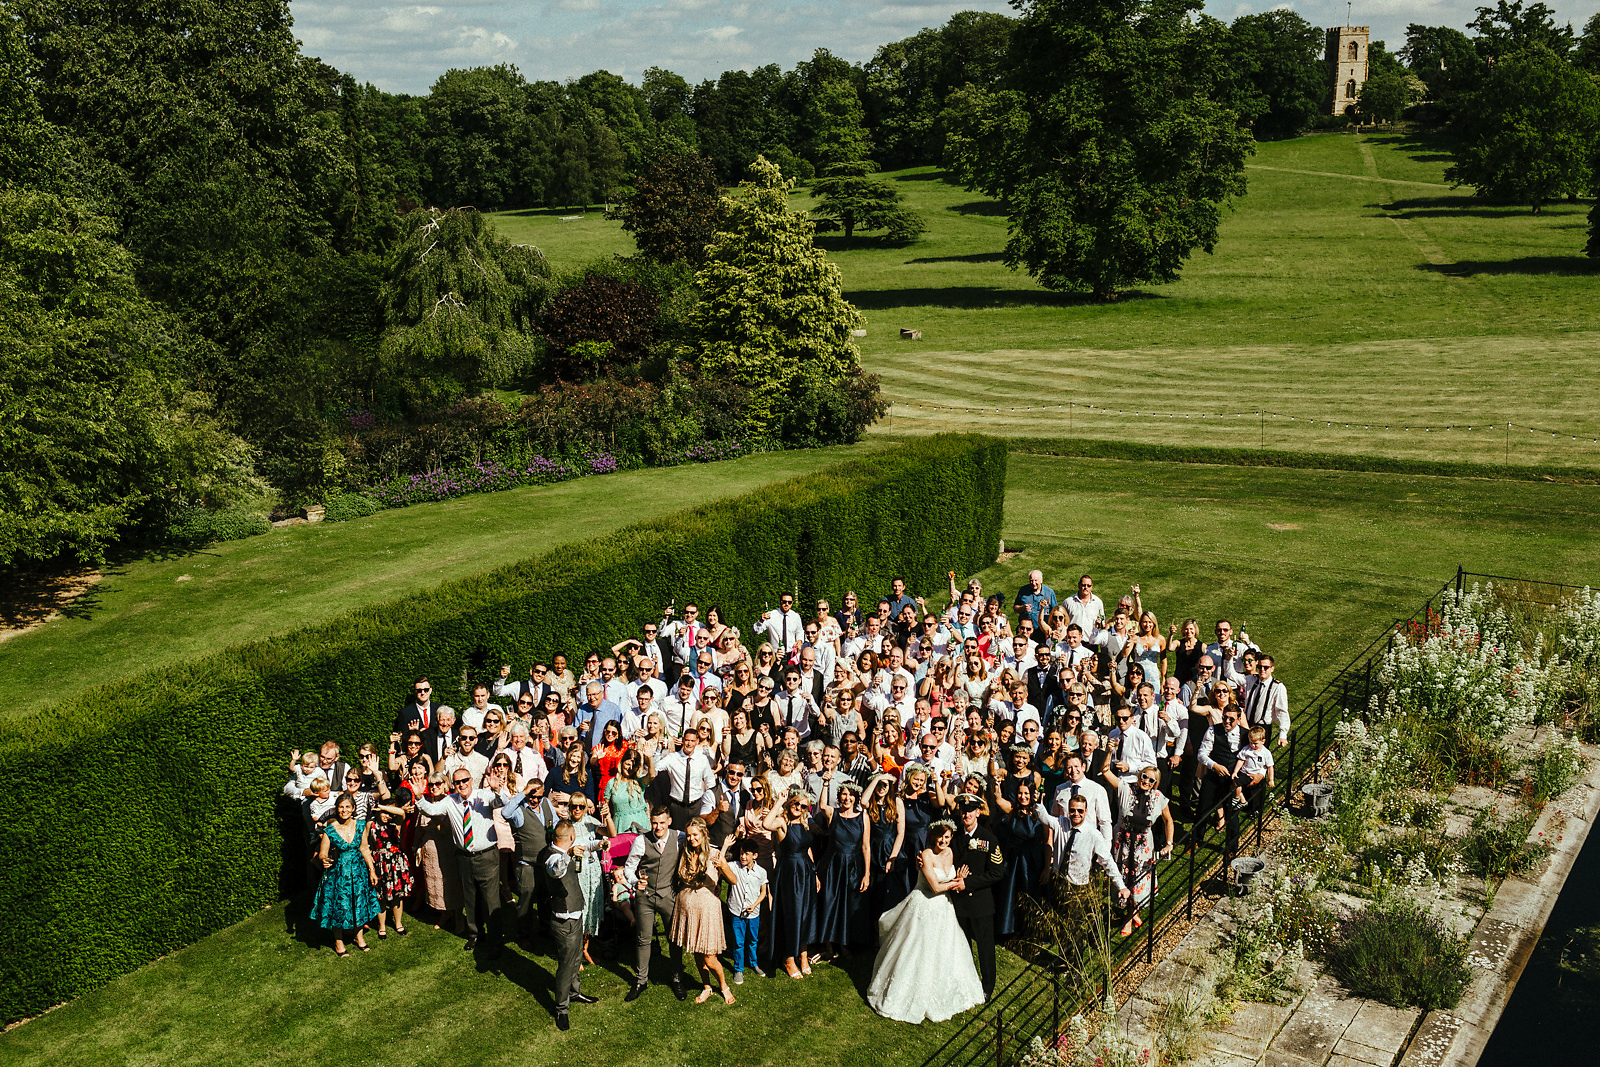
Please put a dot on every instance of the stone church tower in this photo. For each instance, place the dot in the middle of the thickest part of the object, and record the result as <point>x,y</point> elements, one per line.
<point>1347,64</point>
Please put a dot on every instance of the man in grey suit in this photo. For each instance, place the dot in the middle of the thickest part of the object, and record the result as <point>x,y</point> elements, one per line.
<point>651,863</point>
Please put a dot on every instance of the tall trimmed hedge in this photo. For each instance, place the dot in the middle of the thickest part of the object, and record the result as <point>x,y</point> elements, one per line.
<point>141,816</point>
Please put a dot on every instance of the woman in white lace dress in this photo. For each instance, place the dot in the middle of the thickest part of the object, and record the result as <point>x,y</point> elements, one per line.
<point>924,969</point>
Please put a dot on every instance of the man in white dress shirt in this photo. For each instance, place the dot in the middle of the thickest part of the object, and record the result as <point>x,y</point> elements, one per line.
<point>1079,845</point>
<point>784,627</point>
<point>471,814</point>
<point>1085,609</point>
<point>1078,785</point>
<point>1266,701</point>
<point>685,775</point>
<point>679,708</point>
<point>1228,653</point>
<point>794,706</point>
<point>1129,751</point>
<point>684,633</point>
<point>562,864</point>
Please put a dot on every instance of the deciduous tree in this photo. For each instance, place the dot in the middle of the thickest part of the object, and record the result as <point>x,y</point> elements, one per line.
<point>1108,147</point>
<point>674,209</point>
<point>1529,133</point>
<point>460,302</point>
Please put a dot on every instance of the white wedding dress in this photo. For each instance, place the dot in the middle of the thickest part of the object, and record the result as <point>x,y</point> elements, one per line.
<point>924,969</point>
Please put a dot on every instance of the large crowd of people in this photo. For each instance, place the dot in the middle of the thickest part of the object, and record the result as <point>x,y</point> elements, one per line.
<point>772,797</point>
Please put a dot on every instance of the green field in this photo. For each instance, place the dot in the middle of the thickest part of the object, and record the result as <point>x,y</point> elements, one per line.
<point>1311,563</point>
<point>1351,286</point>
<point>156,610</point>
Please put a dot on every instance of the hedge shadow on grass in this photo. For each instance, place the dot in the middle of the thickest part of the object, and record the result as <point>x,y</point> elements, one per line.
<point>141,816</point>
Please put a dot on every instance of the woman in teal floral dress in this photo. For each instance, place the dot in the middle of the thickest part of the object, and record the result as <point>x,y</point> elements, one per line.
<point>345,899</point>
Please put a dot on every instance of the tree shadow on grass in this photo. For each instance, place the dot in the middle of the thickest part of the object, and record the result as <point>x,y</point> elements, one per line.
<point>991,208</point>
<point>1562,265</point>
<point>977,257</point>
<point>977,297</point>
<point>1421,146</point>
<point>1459,207</point>
<point>858,243</point>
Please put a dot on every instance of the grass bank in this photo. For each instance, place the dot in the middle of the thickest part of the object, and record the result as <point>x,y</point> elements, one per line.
<point>160,609</point>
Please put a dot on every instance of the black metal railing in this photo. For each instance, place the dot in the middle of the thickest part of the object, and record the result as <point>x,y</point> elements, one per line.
<point>1039,1000</point>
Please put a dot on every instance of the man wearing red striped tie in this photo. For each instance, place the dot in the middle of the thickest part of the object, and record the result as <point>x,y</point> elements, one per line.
<point>471,815</point>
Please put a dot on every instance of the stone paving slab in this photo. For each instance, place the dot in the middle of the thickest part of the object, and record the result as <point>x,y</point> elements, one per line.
<point>1347,1059</point>
<point>1381,1027</point>
<point>1353,1052</point>
<point>1284,1059</point>
<point>1250,1030</point>
<point>1319,1022</point>
<point>1432,1043</point>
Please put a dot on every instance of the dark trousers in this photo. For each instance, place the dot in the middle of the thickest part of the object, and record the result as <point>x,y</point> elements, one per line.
<point>568,934</point>
<point>480,875</point>
<point>980,930</point>
<point>682,813</point>
<point>646,906</point>
<point>528,891</point>
<point>1216,789</point>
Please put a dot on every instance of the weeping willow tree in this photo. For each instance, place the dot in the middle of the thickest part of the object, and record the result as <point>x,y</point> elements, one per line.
<point>460,303</point>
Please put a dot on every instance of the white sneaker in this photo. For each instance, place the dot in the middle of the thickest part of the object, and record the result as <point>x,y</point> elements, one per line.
<point>738,978</point>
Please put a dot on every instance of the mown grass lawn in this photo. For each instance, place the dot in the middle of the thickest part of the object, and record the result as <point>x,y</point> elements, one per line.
<point>157,610</point>
<point>1354,296</point>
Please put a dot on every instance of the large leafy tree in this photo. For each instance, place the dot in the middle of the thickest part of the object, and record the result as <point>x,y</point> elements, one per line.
<point>1278,74</point>
<point>1107,145</point>
<point>773,317</point>
<point>460,305</point>
<point>852,199</point>
<point>674,209</point>
<point>1529,134</point>
<point>100,425</point>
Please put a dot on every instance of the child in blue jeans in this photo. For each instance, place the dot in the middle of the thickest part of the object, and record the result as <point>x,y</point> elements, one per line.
<point>744,904</point>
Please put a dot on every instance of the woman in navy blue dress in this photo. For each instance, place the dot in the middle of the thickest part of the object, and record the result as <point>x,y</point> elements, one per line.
<point>794,885</point>
<point>887,815</point>
<point>842,911</point>
<point>1022,841</point>
<point>922,806</point>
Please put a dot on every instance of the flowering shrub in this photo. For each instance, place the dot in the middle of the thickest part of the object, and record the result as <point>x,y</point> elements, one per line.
<point>483,477</point>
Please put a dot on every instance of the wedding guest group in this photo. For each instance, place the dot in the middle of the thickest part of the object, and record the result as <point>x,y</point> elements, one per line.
<point>704,802</point>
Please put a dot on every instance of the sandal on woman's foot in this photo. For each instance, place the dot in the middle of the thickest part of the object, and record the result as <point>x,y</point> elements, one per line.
<point>341,952</point>
<point>727,996</point>
<point>1137,922</point>
<point>401,930</point>
<point>793,974</point>
<point>705,995</point>
<point>383,935</point>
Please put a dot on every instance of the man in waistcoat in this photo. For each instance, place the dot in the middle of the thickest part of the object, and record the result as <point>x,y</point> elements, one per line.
<point>1218,753</point>
<point>562,865</point>
<point>651,863</point>
<point>530,837</point>
<point>979,866</point>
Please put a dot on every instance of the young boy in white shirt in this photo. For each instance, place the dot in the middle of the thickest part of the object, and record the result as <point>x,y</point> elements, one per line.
<point>1253,764</point>
<point>744,904</point>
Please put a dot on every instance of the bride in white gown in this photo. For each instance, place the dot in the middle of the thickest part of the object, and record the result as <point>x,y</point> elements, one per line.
<point>924,969</point>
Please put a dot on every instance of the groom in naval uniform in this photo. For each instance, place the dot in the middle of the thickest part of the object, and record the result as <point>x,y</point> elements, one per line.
<point>979,865</point>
